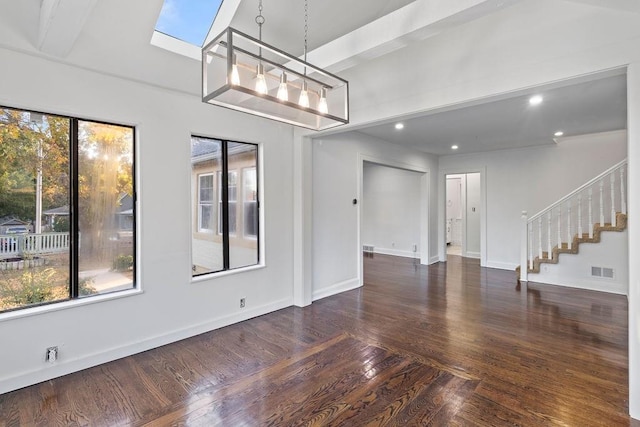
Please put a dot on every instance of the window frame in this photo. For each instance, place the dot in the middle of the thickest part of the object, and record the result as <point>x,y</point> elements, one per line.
<point>200,228</point>
<point>245,202</point>
<point>74,297</point>
<point>222,198</point>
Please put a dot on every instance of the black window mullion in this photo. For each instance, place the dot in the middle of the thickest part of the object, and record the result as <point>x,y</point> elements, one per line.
<point>73,211</point>
<point>225,207</point>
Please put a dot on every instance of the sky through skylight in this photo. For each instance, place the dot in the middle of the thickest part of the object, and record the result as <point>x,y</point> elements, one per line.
<point>187,20</point>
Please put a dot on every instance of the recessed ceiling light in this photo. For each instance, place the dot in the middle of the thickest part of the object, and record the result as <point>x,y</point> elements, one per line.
<point>454,147</point>
<point>535,100</point>
<point>399,126</point>
<point>559,133</point>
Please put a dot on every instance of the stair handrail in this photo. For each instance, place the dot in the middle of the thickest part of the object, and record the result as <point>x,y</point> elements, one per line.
<point>577,190</point>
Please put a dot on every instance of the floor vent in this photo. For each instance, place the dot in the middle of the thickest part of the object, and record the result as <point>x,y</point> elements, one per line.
<point>604,272</point>
<point>367,248</point>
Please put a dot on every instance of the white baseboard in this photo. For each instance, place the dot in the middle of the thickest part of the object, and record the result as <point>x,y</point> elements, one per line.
<point>347,285</point>
<point>434,259</point>
<point>502,265</point>
<point>395,252</point>
<point>58,369</point>
<point>591,285</point>
<point>475,255</point>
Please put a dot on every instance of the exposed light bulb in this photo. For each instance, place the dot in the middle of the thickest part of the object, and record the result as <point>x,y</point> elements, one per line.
<point>322,103</point>
<point>304,96</point>
<point>235,74</point>
<point>261,83</point>
<point>283,91</point>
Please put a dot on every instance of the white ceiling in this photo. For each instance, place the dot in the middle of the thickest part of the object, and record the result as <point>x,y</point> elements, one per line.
<point>327,20</point>
<point>576,108</point>
<point>113,37</point>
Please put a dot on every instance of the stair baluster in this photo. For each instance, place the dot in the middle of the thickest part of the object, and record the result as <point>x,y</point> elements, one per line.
<point>590,212</point>
<point>602,202</point>
<point>539,237</point>
<point>559,227</point>
<point>612,180</point>
<point>549,236</point>
<point>569,237</point>
<point>623,202</point>
<point>580,216</point>
<point>531,245</point>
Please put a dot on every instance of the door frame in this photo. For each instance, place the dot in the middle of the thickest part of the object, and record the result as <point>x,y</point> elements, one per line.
<point>442,215</point>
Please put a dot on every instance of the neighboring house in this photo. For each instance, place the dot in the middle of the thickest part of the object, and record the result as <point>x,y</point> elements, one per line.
<point>51,215</point>
<point>123,216</point>
<point>7,223</point>
<point>124,213</point>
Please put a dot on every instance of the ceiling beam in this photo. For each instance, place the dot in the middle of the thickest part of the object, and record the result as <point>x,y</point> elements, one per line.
<point>223,19</point>
<point>61,22</point>
<point>623,5</point>
<point>418,20</point>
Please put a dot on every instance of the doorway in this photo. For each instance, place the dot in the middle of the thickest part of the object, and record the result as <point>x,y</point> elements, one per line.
<point>393,213</point>
<point>462,214</point>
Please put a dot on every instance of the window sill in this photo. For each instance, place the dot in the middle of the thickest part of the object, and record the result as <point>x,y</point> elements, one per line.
<point>208,276</point>
<point>64,305</point>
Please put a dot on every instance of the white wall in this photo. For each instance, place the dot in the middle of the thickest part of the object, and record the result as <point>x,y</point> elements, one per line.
<point>391,210</point>
<point>633,124</point>
<point>337,171</point>
<point>170,307</point>
<point>532,179</point>
<point>472,215</point>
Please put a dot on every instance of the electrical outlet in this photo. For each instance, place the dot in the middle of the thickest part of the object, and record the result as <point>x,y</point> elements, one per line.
<point>51,355</point>
<point>242,303</point>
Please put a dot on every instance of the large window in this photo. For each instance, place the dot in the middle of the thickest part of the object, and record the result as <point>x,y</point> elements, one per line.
<point>233,167</point>
<point>67,208</point>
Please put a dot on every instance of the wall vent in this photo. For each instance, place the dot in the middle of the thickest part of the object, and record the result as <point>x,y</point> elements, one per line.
<point>603,272</point>
<point>367,248</point>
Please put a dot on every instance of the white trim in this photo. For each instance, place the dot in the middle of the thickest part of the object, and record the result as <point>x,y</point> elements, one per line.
<point>434,259</point>
<point>172,44</point>
<point>442,220</point>
<point>469,254</point>
<point>217,274</point>
<point>591,285</point>
<point>502,266</point>
<point>337,288</point>
<point>64,305</point>
<point>58,369</point>
<point>394,252</point>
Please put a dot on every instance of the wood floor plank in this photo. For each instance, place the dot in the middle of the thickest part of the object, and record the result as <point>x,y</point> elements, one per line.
<point>448,344</point>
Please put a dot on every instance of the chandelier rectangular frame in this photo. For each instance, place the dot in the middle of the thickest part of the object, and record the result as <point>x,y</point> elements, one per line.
<point>245,74</point>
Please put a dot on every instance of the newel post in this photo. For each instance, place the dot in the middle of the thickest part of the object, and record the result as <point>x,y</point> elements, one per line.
<point>524,244</point>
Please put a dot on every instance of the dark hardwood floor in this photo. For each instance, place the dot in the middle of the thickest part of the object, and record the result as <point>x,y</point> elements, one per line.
<point>449,344</point>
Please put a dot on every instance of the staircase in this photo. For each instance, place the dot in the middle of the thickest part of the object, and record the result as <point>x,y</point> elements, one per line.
<point>559,229</point>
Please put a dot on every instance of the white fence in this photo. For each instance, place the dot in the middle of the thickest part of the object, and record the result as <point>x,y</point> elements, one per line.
<point>595,202</point>
<point>18,245</point>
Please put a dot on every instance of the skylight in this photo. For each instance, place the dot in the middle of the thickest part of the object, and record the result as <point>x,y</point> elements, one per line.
<point>187,20</point>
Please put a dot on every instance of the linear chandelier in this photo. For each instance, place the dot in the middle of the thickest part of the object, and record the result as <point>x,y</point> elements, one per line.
<point>245,74</point>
